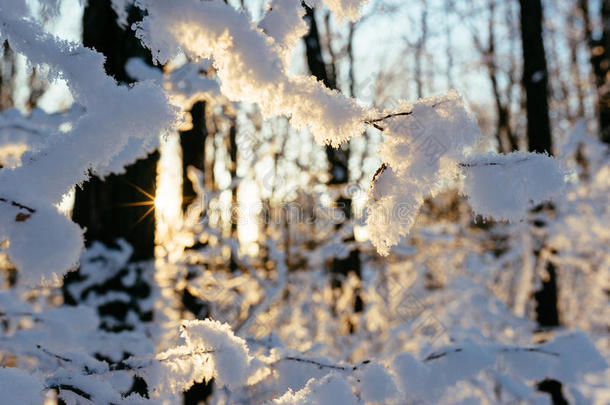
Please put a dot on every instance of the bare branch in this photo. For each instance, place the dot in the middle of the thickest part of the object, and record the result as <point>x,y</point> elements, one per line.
<point>72,388</point>
<point>374,121</point>
<point>482,164</point>
<point>438,355</point>
<point>18,205</point>
<point>324,365</point>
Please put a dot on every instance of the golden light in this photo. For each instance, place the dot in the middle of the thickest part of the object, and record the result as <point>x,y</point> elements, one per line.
<point>168,196</point>
<point>163,201</point>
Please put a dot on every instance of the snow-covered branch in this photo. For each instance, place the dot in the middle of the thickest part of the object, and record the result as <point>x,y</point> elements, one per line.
<point>250,65</point>
<point>117,122</point>
<point>430,143</point>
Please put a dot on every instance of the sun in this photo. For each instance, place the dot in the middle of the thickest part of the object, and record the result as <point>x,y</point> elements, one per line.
<point>164,201</point>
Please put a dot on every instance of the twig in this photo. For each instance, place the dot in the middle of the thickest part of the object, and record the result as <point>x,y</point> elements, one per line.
<point>469,165</point>
<point>323,365</point>
<point>384,166</point>
<point>529,349</point>
<point>57,356</point>
<point>18,205</point>
<point>400,114</point>
<point>189,354</point>
<point>68,387</point>
<point>435,356</point>
<point>379,172</point>
<point>374,121</point>
<point>320,365</point>
<point>438,355</point>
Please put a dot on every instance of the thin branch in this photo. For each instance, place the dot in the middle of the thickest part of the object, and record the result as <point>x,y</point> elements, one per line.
<point>380,171</point>
<point>68,387</point>
<point>57,356</point>
<point>323,365</point>
<point>529,349</point>
<point>379,127</point>
<point>189,354</point>
<point>482,164</point>
<point>18,205</point>
<point>438,355</point>
<point>123,364</point>
<point>374,121</point>
<point>400,114</point>
<point>462,165</point>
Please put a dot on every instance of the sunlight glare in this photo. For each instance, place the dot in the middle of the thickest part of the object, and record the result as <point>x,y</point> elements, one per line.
<point>168,196</point>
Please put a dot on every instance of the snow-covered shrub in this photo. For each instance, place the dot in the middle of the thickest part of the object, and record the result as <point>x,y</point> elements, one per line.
<point>289,337</point>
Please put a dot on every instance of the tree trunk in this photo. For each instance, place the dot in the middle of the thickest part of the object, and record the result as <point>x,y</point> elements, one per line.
<point>232,148</point>
<point>102,206</point>
<point>535,77</point>
<point>105,207</point>
<point>192,143</point>
<point>337,158</point>
<point>538,132</point>
<point>599,51</point>
<point>535,81</point>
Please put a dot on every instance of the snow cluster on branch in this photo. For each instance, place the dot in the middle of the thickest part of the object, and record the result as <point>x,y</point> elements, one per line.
<point>211,350</point>
<point>566,358</point>
<point>250,65</point>
<point>283,20</point>
<point>184,85</point>
<point>331,389</point>
<point>284,23</point>
<point>426,146</point>
<point>63,340</point>
<point>504,187</point>
<point>422,148</point>
<point>119,125</point>
<point>425,143</point>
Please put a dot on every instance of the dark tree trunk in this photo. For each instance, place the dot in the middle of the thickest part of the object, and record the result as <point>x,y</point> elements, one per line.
<point>538,132</point>
<point>313,49</point>
<point>232,148</point>
<point>599,50</point>
<point>192,143</point>
<point>535,81</point>
<point>547,313</point>
<point>337,158</point>
<point>101,205</point>
<point>535,77</point>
